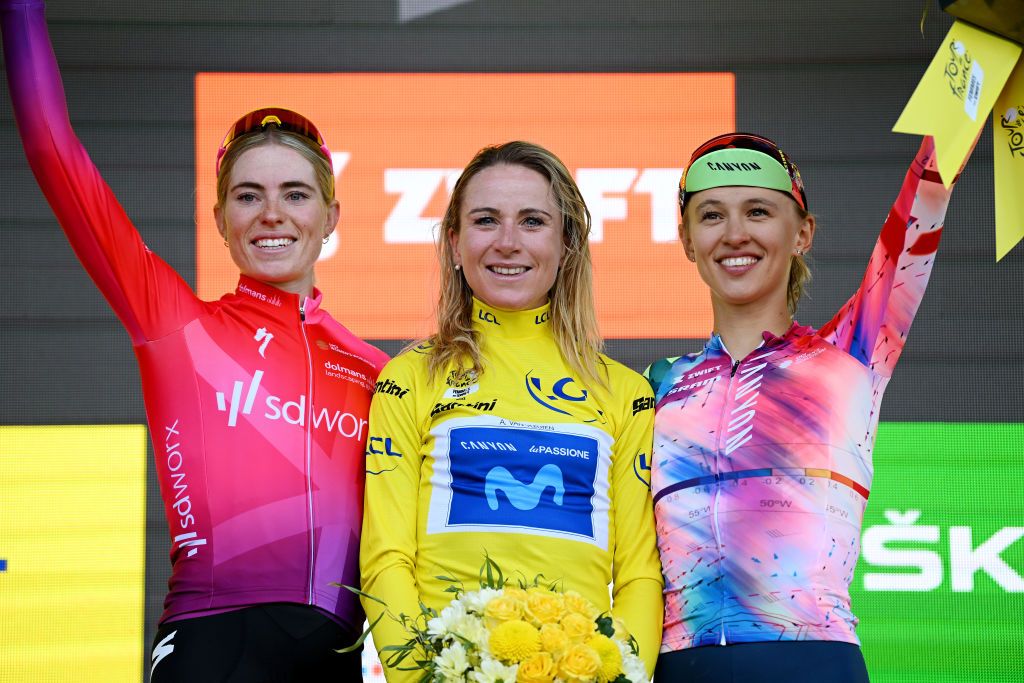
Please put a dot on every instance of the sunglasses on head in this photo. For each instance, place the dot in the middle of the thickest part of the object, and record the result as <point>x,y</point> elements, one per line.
<point>284,119</point>
<point>758,143</point>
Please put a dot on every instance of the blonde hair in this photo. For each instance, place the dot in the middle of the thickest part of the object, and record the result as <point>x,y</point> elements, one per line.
<point>272,135</point>
<point>573,318</point>
<point>799,271</point>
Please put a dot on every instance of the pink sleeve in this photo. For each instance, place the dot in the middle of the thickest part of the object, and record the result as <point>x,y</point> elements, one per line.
<point>145,293</point>
<point>872,326</point>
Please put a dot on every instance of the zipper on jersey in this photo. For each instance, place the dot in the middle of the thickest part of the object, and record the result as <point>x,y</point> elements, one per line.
<point>309,450</point>
<point>718,483</point>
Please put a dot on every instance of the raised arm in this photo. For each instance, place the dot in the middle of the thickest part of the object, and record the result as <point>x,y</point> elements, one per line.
<point>872,326</point>
<point>145,293</point>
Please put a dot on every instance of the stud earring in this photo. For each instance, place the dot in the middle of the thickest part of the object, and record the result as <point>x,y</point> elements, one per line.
<point>327,238</point>
<point>226,243</point>
<point>458,267</point>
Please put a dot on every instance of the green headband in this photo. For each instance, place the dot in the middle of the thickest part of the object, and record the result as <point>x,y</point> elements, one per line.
<point>737,166</point>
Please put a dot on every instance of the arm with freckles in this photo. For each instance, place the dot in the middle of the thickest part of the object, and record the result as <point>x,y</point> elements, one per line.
<point>872,326</point>
<point>387,555</point>
<point>145,293</point>
<point>636,570</point>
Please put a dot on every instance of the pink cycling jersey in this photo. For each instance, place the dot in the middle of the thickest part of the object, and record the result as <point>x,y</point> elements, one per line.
<point>257,403</point>
<point>762,465</point>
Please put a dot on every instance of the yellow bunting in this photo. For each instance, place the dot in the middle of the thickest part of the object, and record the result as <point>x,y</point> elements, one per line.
<point>957,92</point>
<point>1008,153</point>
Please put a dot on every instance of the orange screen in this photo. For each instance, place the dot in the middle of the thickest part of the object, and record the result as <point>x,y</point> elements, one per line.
<point>400,140</point>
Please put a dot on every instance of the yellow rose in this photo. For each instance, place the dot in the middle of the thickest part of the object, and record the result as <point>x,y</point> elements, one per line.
<point>579,663</point>
<point>553,639</point>
<point>513,641</point>
<point>576,603</point>
<point>611,658</point>
<point>517,594</point>
<point>501,609</point>
<point>577,627</point>
<point>540,668</point>
<point>544,607</point>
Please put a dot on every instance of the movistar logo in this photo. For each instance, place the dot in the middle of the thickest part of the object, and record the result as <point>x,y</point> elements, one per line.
<point>523,496</point>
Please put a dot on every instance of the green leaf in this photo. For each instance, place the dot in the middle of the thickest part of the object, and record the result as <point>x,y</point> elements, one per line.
<point>359,643</point>
<point>605,626</point>
<point>360,593</point>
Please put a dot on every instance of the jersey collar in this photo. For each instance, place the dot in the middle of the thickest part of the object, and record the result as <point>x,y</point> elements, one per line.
<point>515,324</point>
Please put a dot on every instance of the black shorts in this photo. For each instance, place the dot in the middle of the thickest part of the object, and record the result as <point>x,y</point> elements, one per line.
<point>273,642</point>
<point>803,661</point>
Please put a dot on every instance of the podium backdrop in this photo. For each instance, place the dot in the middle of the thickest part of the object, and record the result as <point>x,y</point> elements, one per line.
<point>405,92</point>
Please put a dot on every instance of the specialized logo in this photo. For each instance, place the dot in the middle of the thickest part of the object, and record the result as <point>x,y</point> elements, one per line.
<point>265,337</point>
<point>524,496</point>
<point>390,388</point>
<point>293,412</point>
<point>517,480</point>
<point>161,650</point>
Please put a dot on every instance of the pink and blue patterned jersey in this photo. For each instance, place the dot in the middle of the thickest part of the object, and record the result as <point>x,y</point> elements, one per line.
<point>762,465</point>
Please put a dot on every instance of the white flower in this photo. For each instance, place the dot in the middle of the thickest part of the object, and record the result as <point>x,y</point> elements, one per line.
<point>634,669</point>
<point>443,623</point>
<point>493,671</point>
<point>452,662</point>
<point>472,629</point>
<point>477,600</point>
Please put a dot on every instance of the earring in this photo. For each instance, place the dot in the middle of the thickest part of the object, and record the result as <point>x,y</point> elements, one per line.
<point>327,238</point>
<point>226,243</point>
<point>458,267</point>
<point>799,252</point>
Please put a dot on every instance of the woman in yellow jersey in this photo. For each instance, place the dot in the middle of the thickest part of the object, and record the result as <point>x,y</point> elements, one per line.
<point>508,432</point>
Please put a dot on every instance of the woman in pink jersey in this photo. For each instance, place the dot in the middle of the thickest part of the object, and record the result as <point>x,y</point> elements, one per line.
<point>763,439</point>
<point>257,403</point>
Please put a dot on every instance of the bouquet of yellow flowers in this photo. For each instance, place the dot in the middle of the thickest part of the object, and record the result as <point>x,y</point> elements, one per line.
<point>530,633</point>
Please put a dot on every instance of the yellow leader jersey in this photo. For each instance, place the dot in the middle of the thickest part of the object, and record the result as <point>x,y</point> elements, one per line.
<point>524,463</point>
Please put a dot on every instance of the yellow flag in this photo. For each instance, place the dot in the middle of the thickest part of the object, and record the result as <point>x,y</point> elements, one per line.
<point>956,93</point>
<point>1008,158</point>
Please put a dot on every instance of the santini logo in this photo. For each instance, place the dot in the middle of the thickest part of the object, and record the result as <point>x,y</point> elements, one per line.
<point>523,496</point>
<point>292,412</point>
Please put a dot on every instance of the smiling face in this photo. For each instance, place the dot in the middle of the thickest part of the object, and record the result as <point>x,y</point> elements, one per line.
<point>509,243</point>
<point>274,218</point>
<point>743,240</point>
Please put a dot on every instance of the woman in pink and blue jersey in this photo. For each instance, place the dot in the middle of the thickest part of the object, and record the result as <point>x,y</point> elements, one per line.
<point>257,403</point>
<point>763,439</point>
